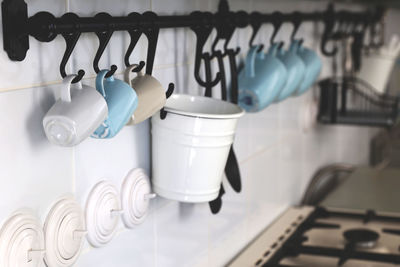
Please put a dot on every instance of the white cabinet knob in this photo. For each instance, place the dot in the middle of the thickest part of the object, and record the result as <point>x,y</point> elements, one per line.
<point>21,241</point>
<point>64,232</point>
<point>135,196</point>
<point>102,213</point>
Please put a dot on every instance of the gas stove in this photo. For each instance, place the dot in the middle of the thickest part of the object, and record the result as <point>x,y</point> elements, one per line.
<point>321,237</point>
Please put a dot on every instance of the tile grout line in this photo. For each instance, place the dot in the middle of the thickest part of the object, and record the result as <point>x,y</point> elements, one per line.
<point>49,83</point>
<point>73,163</point>
<point>265,149</point>
<point>123,230</point>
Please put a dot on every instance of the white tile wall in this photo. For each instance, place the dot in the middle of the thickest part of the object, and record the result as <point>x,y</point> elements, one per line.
<point>277,157</point>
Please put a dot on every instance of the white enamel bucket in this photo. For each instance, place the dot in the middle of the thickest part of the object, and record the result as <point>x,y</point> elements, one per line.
<point>190,147</point>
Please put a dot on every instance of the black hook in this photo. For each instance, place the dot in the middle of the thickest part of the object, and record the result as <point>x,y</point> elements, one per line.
<point>170,90</point>
<point>296,20</point>
<point>104,38</point>
<point>139,67</point>
<point>207,64</point>
<point>234,74</point>
<point>255,25</point>
<point>351,28</point>
<point>70,41</point>
<point>374,20</point>
<point>230,34</point>
<point>163,114</point>
<point>329,21</point>
<point>152,37</point>
<point>135,36</point>
<point>152,33</point>
<point>225,30</point>
<point>277,20</point>
<point>202,33</point>
<point>337,30</point>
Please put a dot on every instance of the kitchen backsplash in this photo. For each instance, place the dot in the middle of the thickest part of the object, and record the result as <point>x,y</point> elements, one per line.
<point>277,151</point>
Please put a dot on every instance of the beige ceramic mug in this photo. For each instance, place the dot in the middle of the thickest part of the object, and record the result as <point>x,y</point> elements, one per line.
<point>150,93</point>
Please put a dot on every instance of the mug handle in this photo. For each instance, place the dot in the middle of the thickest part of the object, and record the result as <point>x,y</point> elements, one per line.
<point>66,88</point>
<point>273,49</point>
<point>251,61</point>
<point>128,71</point>
<point>100,82</point>
<point>295,45</point>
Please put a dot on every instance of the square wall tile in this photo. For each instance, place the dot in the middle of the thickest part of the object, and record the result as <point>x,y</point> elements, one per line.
<point>35,172</point>
<point>182,76</point>
<point>181,234</point>
<point>111,159</point>
<point>261,182</point>
<point>175,46</point>
<point>177,7</point>
<point>227,225</point>
<point>256,132</point>
<point>290,169</point>
<point>41,64</point>
<point>130,247</point>
<point>115,8</point>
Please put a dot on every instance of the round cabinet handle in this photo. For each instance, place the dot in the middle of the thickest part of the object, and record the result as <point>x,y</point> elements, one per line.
<point>149,196</point>
<point>22,241</point>
<point>36,253</point>
<point>102,213</point>
<point>64,232</point>
<point>135,196</point>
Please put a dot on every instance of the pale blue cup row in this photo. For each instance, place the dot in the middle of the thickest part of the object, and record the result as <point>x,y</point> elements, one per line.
<point>295,70</point>
<point>261,79</point>
<point>313,67</point>
<point>121,100</point>
<point>276,75</point>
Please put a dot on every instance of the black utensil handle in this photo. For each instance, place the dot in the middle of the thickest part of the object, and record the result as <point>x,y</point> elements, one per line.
<point>234,76</point>
<point>221,66</point>
<point>216,204</point>
<point>232,171</point>
<point>207,64</point>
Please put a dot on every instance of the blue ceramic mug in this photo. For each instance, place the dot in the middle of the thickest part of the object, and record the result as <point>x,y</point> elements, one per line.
<point>295,70</point>
<point>313,66</point>
<point>261,79</point>
<point>121,100</point>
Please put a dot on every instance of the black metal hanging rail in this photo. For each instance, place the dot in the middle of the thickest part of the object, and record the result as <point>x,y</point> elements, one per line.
<point>17,25</point>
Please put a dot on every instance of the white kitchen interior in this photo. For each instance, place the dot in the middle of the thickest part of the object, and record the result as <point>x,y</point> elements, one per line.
<point>278,149</point>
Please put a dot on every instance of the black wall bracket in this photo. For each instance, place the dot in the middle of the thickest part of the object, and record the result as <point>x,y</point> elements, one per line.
<point>15,37</point>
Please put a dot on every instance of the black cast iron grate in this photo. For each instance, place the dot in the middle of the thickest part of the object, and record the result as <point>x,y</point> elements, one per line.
<point>294,246</point>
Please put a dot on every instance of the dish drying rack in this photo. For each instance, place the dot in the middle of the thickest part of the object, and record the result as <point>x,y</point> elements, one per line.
<point>350,100</point>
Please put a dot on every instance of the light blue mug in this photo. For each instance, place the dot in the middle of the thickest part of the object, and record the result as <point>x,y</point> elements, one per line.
<point>295,70</point>
<point>261,79</point>
<point>313,66</point>
<point>121,100</point>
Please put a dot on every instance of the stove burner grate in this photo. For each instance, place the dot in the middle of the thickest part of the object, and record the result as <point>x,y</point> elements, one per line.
<point>356,238</point>
<point>361,238</point>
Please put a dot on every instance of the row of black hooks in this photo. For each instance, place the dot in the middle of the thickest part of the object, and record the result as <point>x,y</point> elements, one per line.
<point>44,26</point>
<point>104,37</point>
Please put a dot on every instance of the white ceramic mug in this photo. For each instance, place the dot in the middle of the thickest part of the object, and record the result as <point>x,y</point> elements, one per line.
<point>150,93</point>
<point>76,115</point>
